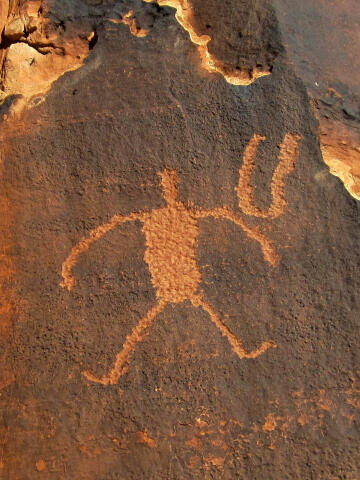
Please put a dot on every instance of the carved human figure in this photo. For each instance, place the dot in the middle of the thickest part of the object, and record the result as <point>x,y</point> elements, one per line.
<point>171,234</point>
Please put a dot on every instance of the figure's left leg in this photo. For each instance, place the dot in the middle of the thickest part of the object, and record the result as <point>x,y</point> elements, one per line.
<point>236,344</point>
<point>137,334</point>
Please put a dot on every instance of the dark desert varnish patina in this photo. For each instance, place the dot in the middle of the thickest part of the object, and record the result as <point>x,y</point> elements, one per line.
<point>166,217</point>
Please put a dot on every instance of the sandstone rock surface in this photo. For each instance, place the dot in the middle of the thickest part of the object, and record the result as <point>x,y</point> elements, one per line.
<point>179,270</point>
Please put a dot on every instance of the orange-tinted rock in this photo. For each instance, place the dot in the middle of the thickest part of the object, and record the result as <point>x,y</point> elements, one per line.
<point>179,271</point>
<point>340,147</point>
<point>37,53</point>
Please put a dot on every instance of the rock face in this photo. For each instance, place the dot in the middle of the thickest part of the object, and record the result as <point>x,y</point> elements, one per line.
<point>179,270</point>
<point>37,52</point>
<point>321,41</point>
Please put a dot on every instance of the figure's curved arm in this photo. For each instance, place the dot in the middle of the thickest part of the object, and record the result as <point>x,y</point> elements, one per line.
<point>84,244</point>
<point>267,247</point>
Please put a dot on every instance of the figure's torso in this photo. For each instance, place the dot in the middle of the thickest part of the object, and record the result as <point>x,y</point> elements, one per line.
<point>171,235</point>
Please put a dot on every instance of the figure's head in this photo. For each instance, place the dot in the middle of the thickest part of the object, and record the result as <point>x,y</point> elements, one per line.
<point>169,180</point>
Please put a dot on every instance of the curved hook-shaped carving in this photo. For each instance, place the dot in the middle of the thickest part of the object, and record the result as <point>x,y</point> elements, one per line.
<point>289,149</point>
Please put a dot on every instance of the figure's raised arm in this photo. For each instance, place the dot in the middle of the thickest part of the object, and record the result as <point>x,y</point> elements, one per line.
<point>85,243</point>
<point>289,150</point>
<point>267,247</point>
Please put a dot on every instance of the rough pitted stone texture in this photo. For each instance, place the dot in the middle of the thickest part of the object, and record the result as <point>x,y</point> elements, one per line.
<point>185,403</point>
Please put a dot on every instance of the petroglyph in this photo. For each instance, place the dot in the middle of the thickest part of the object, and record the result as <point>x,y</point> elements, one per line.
<point>84,245</point>
<point>171,234</point>
<point>245,189</point>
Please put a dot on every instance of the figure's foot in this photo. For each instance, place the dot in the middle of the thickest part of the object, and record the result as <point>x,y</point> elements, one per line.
<point>258,351</point>
<point>92,378</point>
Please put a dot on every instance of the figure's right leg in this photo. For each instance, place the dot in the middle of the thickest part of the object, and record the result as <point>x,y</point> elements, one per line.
<point>124,355</point>
<point>236,344</point>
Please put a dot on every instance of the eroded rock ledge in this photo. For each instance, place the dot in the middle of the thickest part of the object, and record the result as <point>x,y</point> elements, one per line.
<point>37,51</point>
<point>43,39</point>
